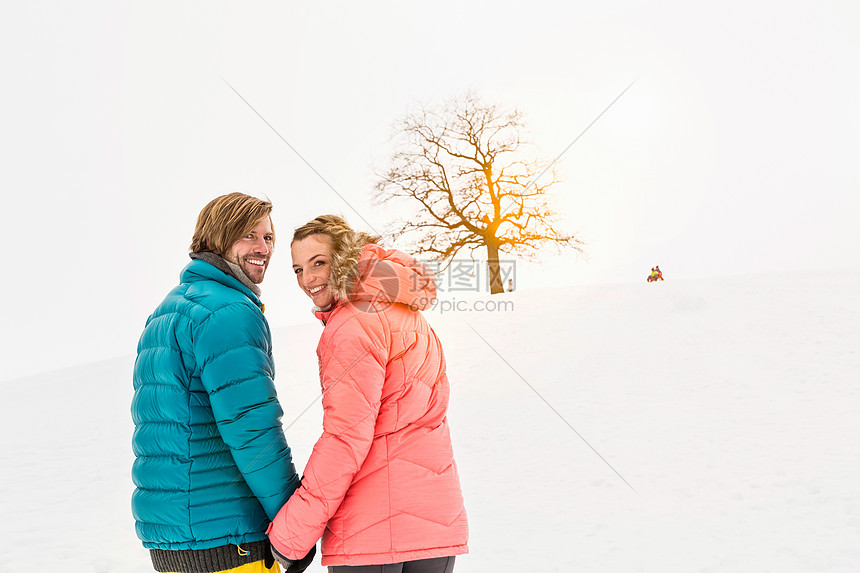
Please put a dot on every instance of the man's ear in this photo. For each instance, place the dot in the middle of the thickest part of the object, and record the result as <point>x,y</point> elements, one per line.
<point>209,246</point>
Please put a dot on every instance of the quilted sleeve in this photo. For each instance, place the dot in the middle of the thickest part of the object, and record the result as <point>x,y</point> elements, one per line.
<point>233,352</point>
<point>352,369</point>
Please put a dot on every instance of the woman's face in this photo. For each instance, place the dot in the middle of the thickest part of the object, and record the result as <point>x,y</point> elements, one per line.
<point>312,265</point>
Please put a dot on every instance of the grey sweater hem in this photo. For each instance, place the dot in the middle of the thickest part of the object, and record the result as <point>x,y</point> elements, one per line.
<point>211,560</point>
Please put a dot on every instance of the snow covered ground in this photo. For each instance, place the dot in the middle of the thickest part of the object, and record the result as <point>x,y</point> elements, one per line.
<point>731,407</point>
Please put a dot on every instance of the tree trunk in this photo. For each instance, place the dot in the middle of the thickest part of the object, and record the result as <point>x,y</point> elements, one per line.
<point>496,286</point>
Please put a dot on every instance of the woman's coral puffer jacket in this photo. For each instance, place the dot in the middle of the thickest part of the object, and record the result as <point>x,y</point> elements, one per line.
<point>381,485</point>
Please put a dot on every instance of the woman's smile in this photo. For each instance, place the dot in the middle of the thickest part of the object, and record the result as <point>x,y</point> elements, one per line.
<point>312,265</point>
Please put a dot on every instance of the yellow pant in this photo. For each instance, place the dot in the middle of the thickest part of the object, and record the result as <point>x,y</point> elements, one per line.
<point>255,567</point>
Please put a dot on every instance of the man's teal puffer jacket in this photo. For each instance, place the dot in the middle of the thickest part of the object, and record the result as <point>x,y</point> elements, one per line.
<point>213,467</point>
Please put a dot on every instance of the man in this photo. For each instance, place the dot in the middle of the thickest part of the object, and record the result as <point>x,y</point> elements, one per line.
<point>213,467</point>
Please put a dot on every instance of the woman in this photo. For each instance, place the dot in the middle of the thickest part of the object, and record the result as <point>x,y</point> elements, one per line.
<point>381,486</point>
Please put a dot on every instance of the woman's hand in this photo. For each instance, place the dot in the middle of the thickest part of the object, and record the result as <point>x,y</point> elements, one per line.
<point>291,566</point>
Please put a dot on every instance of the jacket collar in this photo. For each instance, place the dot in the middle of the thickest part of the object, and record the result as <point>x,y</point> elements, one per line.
<point>226,266</point>
<point>324,314</point>
<point>200,269</point>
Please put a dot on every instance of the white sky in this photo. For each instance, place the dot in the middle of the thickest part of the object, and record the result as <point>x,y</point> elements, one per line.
<point>736,151</point>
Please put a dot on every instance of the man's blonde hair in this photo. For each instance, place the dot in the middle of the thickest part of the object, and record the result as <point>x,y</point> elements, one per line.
<point>226,219</point>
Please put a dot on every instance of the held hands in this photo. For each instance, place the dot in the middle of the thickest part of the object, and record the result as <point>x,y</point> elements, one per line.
<point>290,566</point>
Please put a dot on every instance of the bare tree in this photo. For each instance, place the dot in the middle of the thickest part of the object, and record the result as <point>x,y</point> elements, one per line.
<point>463,162</point>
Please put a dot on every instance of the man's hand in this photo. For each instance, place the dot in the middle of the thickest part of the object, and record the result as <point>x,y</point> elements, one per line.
<point>291,566</point>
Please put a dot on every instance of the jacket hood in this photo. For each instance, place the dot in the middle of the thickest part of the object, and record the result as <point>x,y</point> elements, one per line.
<point>387,276</point>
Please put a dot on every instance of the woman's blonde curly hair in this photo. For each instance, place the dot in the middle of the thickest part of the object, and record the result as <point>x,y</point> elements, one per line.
<point>346,249</point>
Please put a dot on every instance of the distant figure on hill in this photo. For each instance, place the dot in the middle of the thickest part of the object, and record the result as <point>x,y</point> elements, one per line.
<point>656,274</point>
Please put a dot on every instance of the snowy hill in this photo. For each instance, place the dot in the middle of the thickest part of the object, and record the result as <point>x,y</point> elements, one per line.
<point>730,406</point>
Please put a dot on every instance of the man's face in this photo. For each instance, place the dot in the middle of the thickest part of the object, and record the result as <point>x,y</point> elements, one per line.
<point>253,251</point>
